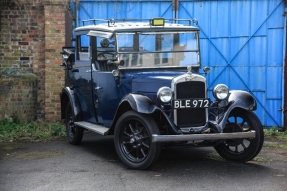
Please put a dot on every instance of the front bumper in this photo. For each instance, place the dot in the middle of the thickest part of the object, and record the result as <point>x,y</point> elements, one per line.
<point>194,137</point>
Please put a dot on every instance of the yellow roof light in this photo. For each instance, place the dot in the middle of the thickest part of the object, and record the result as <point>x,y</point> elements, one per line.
<point>157,22</point>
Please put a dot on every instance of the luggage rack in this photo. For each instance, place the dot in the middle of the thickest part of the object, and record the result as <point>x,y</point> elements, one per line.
<point>112,22</point>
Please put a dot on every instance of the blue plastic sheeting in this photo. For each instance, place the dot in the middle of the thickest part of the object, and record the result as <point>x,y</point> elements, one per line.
<point>242,41</point>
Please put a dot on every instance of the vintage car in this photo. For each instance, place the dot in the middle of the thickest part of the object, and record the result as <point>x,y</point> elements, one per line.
<point>141,81</point>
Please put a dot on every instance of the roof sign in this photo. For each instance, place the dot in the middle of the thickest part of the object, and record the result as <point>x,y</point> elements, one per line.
<point>157,22</point>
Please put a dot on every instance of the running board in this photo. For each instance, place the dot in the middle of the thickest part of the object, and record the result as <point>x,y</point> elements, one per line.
<point>93,127</point>
<point>194,137</point>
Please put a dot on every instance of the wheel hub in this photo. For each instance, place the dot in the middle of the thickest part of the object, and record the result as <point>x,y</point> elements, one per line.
<point>136,141</point>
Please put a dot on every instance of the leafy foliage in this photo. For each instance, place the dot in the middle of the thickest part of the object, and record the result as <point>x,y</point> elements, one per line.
<point>13,130</point>
<point>275,133</point>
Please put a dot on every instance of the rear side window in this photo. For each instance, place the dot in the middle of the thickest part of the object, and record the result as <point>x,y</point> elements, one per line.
<point>83,50</point>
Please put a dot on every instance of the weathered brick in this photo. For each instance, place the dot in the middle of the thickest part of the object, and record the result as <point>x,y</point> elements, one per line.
<point>24,58</point>
<point>34,40</point>
<point>23,43</point>
<point>13,99</point>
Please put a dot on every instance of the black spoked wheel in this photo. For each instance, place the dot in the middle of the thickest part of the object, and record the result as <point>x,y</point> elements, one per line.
<point>74,133</point>
<point>133,140</point>
<point>241,150</point>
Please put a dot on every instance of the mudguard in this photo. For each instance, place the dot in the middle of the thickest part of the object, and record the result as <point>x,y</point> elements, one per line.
<point>237,99</point>
<point>69,95</point>
<point>140,103</point>
<point>144,104</point>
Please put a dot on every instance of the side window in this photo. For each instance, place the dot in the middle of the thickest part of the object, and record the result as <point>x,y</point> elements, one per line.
<point>126,42</point>
<point>106,49</point>
<point>83,47</point>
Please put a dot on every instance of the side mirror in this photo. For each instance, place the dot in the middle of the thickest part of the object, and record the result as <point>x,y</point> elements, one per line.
<point>105,43</point>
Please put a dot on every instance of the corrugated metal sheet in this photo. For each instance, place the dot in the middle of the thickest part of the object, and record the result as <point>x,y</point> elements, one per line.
<point>242,41</point>
<point>123,9</point>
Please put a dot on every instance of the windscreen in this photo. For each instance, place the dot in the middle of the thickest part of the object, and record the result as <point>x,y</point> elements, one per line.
<point>158,49</point>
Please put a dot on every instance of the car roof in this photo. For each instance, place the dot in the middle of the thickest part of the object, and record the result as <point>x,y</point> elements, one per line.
<point>133,27</point>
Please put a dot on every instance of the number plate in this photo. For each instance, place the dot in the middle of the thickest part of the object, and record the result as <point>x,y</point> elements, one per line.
<point>191,103</point>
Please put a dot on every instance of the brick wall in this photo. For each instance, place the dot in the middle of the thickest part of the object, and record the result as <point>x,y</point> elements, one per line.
<point>32,34</point>
<point>18,97</point>
<point>54,76</point>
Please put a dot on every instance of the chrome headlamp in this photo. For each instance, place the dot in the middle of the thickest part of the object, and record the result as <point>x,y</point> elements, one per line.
<point>164,94</point>
<point>220,92</point>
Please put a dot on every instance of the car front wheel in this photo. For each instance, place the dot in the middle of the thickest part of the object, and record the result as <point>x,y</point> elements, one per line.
<point>133,140</point>
<point>241,150</point>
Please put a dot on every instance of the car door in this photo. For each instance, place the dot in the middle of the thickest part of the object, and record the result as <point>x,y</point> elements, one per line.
<point>82,80</point>
<point>105,86</point>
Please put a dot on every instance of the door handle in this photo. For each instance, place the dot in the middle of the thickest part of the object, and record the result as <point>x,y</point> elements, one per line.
<point>97,88</point>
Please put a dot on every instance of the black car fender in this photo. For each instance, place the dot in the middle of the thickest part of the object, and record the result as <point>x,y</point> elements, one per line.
<point>237,99</point>
<point>68,95</point>
<point>142,104</point>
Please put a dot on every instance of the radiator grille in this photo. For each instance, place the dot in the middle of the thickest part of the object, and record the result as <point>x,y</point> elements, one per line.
<point>190,117</point>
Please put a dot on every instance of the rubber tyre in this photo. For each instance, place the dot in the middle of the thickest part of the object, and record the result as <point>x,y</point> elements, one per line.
<point>74,133</point>
<point>241,150</point>
<point>133,140</point>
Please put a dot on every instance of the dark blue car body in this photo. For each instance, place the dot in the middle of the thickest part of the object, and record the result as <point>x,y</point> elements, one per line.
<point>142,82</point>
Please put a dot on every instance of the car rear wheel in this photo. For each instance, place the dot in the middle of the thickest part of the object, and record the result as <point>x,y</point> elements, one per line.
<point>241,150</point>
<point>133,140</point>
<point>74,133</point>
